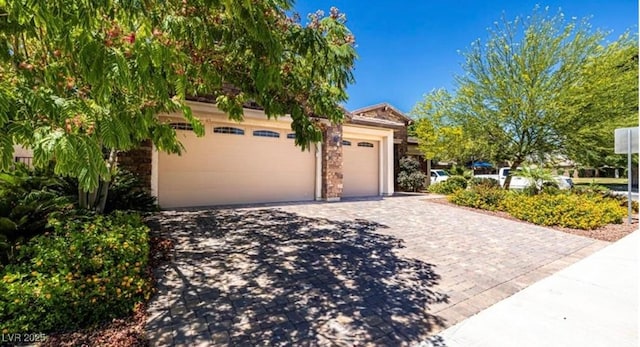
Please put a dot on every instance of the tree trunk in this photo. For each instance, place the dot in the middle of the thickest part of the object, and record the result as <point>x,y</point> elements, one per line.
<point>82,199</point>
<point>514,167</point>
<point>97,199</point>
<point>104,189</point>
<point>428,172</point>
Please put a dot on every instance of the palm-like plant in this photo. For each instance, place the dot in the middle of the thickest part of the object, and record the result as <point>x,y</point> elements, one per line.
<point>535,176</point>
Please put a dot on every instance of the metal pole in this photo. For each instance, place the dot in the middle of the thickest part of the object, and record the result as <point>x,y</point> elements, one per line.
<point>629,176</point>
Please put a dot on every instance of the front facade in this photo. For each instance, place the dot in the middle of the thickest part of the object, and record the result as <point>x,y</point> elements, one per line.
<point>256,161</point>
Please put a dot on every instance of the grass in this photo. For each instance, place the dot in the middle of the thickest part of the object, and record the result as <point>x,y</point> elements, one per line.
<point>619,184</point>
<point>599,180</point>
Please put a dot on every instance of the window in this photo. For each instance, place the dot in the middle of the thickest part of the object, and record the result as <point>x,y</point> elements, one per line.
<point>365,144</point>
<point>181,126</point>
<point>346,143</point>
<point>266,133</point>
<point>291,135</point>
<point>228,130</point>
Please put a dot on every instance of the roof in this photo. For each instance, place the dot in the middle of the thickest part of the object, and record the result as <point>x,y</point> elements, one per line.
<point>385,106</point>
<point>376,121</point>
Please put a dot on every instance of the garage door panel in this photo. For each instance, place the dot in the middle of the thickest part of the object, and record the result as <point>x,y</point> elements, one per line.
<point>361,168</point>
<point>231,169</point>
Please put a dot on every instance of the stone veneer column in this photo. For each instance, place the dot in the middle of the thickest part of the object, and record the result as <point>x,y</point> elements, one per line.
<point>332,162</point>
<point>138,161</point>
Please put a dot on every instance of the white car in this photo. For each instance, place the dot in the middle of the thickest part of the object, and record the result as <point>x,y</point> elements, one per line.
<point>564,182</point>
<point>438,176</point>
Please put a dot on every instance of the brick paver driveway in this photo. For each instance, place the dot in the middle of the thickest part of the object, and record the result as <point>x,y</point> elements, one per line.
<point>383,272</point>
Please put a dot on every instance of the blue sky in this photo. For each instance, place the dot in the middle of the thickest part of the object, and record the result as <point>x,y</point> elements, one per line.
<point>408,48</point>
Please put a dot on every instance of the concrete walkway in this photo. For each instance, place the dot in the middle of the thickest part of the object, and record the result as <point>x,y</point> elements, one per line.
<point>593,302</point>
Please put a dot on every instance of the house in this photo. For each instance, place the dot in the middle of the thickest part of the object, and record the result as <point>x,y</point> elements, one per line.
<point>256,161</point>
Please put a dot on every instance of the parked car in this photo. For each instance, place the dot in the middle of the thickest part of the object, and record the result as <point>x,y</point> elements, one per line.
<point>564,182</point>
<point>438,176</point>
<point>518,182</point>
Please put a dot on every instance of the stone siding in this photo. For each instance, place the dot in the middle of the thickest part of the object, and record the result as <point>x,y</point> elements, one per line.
<point>138,161</point>
<point>332,162</point>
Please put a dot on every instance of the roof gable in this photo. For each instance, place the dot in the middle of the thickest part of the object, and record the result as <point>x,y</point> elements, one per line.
<point>383,111</point>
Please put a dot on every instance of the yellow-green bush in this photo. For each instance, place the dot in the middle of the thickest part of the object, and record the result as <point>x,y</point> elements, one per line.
<point>88,270</point>
<point>565,210</point>
<point>479,196</point>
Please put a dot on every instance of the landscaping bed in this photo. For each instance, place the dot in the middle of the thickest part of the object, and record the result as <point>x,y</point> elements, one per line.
<point>74,275</point>
<point>609,232</point>
<point>125,332</point>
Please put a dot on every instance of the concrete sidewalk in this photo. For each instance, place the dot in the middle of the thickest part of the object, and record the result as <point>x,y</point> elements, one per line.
<point>593,302</point>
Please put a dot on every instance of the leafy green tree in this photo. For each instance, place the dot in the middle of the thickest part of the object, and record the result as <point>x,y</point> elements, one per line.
<point>605,99</point>
<point>440,137</point>
<point>515,84</point>
<point>81,80</point>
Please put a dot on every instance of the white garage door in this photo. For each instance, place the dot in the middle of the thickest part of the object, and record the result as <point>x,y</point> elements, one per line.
<point>233,165</point>
<point>360,168</point>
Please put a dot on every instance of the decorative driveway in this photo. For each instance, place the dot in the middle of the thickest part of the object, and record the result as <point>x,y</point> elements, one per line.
<point>391,271</point>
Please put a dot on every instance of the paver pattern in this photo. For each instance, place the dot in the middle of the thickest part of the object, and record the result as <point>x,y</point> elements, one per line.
<point>385,272</point>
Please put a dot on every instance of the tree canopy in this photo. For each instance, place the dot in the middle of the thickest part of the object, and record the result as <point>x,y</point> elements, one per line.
<point>534,85</point>
<point>605,99</point>
<point>440,137</point>
<point>83,79</point>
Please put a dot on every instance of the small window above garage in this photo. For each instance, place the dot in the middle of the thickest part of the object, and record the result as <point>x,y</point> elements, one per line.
<point>346,143</point>
<point>365,144</point>
<point>228,130</point>
<point>266,133</point>
<point>291,135</point>
<point>181,126</point>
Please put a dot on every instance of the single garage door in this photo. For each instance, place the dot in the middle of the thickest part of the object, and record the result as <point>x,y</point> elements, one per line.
<point>360,168</point>
<point>234,165</point>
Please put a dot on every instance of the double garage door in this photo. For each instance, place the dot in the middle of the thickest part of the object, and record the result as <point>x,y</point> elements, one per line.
<point>235,165</point>
<point>245,164</point>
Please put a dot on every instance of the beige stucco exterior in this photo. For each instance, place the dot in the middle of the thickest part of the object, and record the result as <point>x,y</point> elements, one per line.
<point>19,151</point>
<point>220,169</point>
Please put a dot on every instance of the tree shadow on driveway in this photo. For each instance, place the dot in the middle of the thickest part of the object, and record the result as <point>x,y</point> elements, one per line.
<point>270,277</point>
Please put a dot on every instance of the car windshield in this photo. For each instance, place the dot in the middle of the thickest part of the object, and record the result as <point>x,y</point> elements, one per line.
<point>442,173</point>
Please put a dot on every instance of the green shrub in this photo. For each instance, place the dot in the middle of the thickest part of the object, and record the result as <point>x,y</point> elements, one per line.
<point>126,194</point>
<point>480,196</point>
<point>461,171</point>
<point>484,181</point>
<point>449,186</point>
<point>551,188</point>
<point>579,211</point>
<point>27,199</point>
<point>410,177</point>
<point>592,188</point>
<point>89,270</point>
